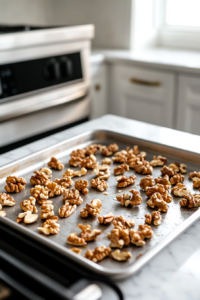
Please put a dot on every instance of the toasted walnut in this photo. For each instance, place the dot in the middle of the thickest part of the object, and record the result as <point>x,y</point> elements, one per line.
<point>121,255</point>
<point>6,200</point>
<point>178,167</point>
<point>196,182</point>
<point>194,174</point>
<point>143,167</point>
<point>40,178</point>
<point>74,239</point>
<point>81,186</point>
<point>40,193</point>
<point>72,197</point>
<point>190,201</point>
<point>76,250</point>
<point>177,178</point>
<point>102,172</point>
<point>75,161</point>
<point>64,182</point>
<point>46,211</point>
<point>98,253</point>
<point>120,222</point>
<point>92,209</point>
<point>87,234</point>
<point>47,171</point>
<point>119,238</point>
<point>142,154</point>
<point>126,199</point>
<point>160,189</point>
<point>180,190</point>
<point>121,169</point>
<point>146,182</point>
<point>168,171</point>
<point>158,161</point>
<point>157,201</point>
<point>101,185</point>
<point>164,181</point>
<point>134,150</point>
<point>29,204</point>
<point>92,149</point>
<point>133,160</point>
<point>120,159</point>
<point>50,226</point>
<point>27,217</point>
<point>66,210</point>
<point>15,184</point>
<point>89,162</point>
<point>71,173</point>
<point>55,189</point>
<point>122,152</point>
<point>106,219</point>
<point>110,150</point>
<point>78,153</point>
<point>106,161</point>
<point>154,218</point>
<point>0,207</point>
<point>2,213</point>
<point>124,181</point>
<point>138,236</point>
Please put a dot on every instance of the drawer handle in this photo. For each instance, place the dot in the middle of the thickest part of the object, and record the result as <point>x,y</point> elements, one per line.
<point>145,82</point>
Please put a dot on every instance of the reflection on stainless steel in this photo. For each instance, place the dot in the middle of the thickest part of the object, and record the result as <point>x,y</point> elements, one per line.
<point>91,292</point>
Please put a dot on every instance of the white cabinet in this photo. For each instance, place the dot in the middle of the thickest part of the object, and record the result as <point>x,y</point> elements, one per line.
<point>98,90</point>
<point>188,115</point>
<point>142,94</point>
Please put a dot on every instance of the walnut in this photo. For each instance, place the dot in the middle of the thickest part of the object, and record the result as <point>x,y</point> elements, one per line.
<point>66,210</point>
<point>27,217</point>
<point>40,193</point>
<point>101,185</point>
<point>121,255</point>
<point>55,189</point>
<point>71,173</point>
<point>124,181</point>
<point>72,197</point>
<point>168,171</point>
<point>180,190</point>
<point>2,213</point>
<point>158,161</point>
<point>47,171</point>
<point>160,189</point>
<point>92,149</point>
<point>15,184</point>
<point>76,250</point>
<point>46,211</point>
<point>177,178</point>
<point>75,161</point>
<point>178,167</point>
<point>135,150</point>
<point>164,181</point>
<point>126,199</point>
<point>142,154</point>
<point>196,182</point>
<point>50,226</point>
<point>74,239</point>
<point>89,162</point>
<point>110,150</point>
<point>121,169</point>
<point>106,219</point>
<point>0,207</point>
<point>133,160</point>
<point>120,159</point>
<point>98,253</point>
<point>120,222</point>
<point>106,161</point>
<point>64,182</point>
<point>29,204</point>
<point>156,200</point>
<point>87,234</point>
<point>143,167</point>
<point>92,209</point>
<point>154,218</point>
<point>6,200</point>
<point>81,186</point>
<point>146,182</point>
<point>122,152</point>
<point>190,201</point>
<point>119,238</point>
<point>194,174</point>
<point>78,153</point>
<point>102,172</point>
<point>138,236</point>
<point>40,178</point>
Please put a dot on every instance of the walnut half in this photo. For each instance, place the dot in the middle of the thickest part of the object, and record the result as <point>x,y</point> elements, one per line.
<point>87,234</point>
<point>6,200</point>
<point>92,209</point>
<point>72,197</point>
<point>29,204</point>
<point>72,173</point>
<point>180,190</point>
<point>119,238</point>
<point>120,222</point>
<point>15,184</point>
<point>50,226</point>
<point>81,186</point>
<point>126,199</point>
<point>190,201</point>
<point>74,239</point>
<point>121,255</point>
<point>101,185</point>
<point>55,189</point>
<point>138,236</point>
<point>156,200</point>
<point>106,219</point>
<point>27,217</point>
<point>124,181</point>
<point>146,182</point>
<point>121,169</point>
<point>98,253</point>
<point>154,218</point>
<point>55,164</point>
<point>66,210</point>
<point>40,193</point>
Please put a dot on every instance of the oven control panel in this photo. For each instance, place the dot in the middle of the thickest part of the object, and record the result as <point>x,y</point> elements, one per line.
<point>33,75</point>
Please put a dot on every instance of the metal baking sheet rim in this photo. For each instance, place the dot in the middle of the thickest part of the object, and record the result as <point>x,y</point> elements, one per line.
<point>117,273</point>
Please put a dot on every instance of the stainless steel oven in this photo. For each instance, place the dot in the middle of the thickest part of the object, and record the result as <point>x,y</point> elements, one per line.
<point>44,82</point>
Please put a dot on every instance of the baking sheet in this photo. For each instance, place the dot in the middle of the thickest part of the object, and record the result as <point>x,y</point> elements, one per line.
<point>174,221</point>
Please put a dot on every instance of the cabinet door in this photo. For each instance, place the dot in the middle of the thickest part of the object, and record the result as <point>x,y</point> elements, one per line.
<point>98,90</point>
<point>142,94</point>
<point>189,104</point>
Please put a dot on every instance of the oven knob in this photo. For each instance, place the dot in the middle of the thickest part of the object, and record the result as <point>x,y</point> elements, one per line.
<point>52,69</point>
<point>66,67</point>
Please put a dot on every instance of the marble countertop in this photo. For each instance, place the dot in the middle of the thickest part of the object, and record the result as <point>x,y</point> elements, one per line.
<point>175,272</point>
<point>161,58</point>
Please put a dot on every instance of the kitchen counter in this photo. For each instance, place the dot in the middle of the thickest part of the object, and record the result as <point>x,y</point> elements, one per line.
<point>175,272</point>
